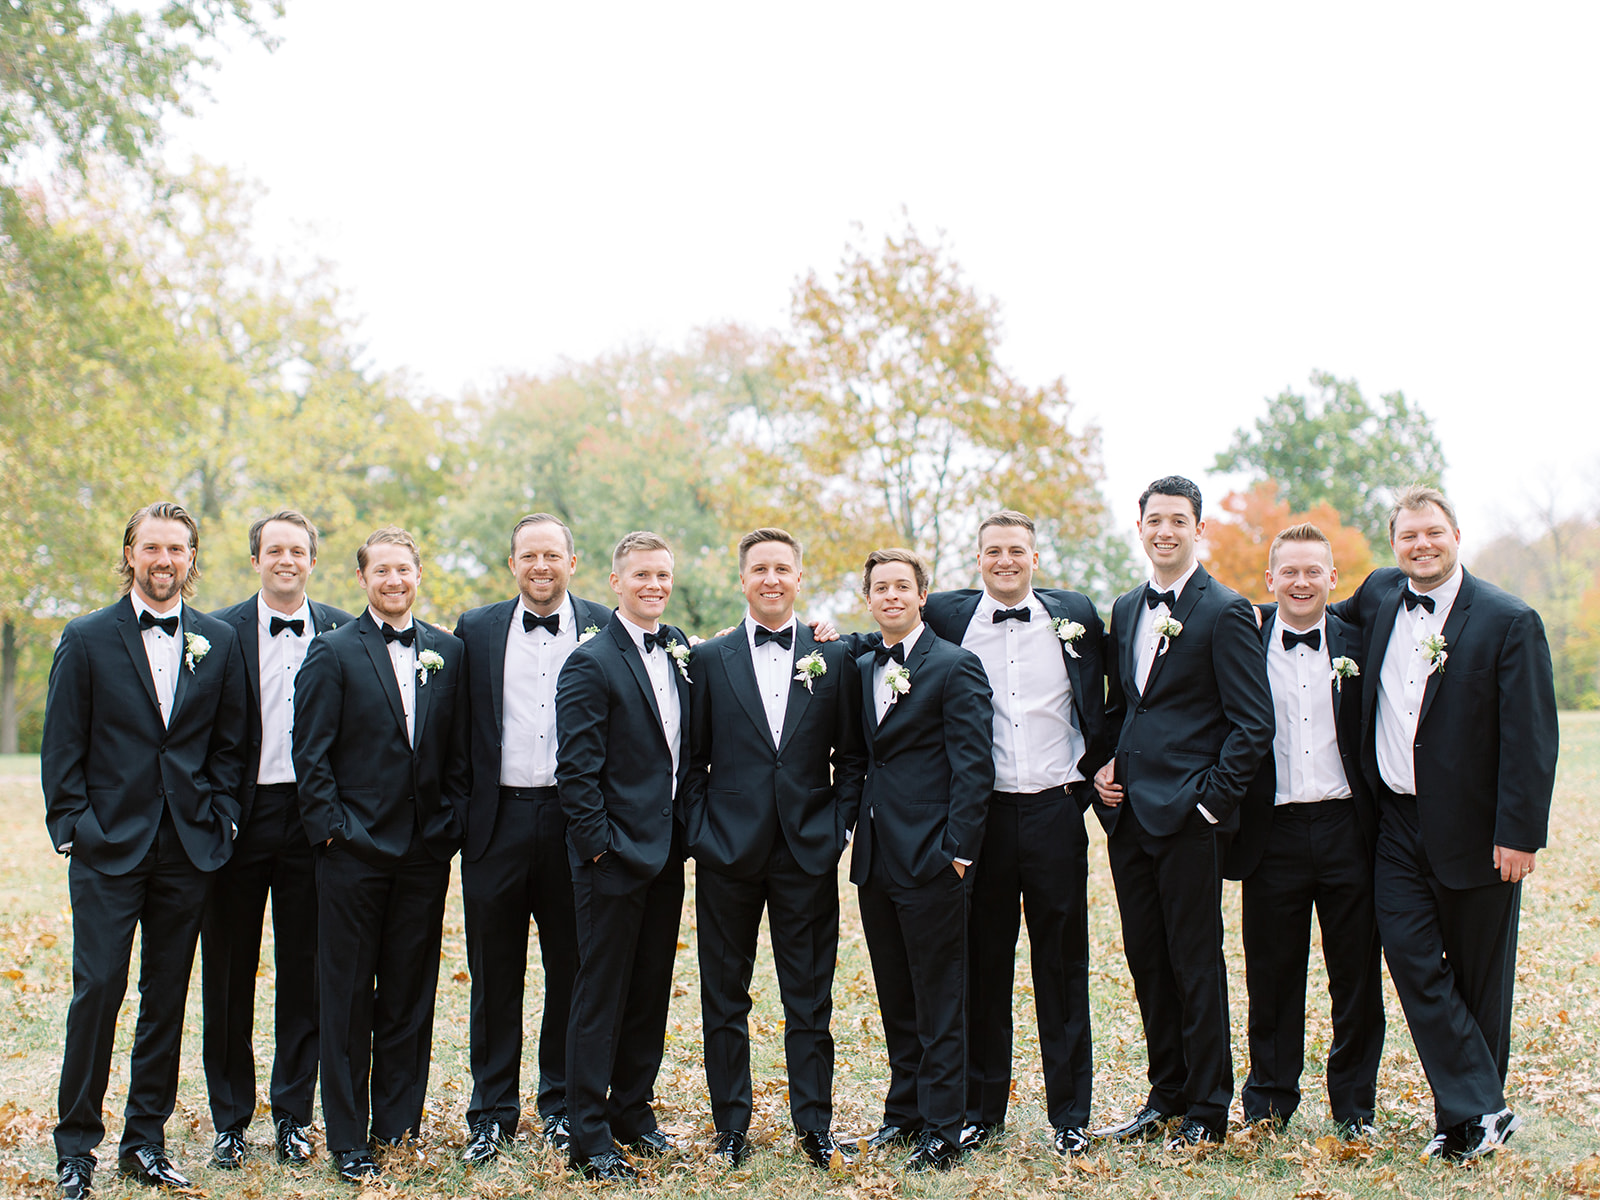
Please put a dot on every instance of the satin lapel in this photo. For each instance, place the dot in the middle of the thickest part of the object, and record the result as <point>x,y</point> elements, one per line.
<point>378,652</point>
<point>866,664</point>
<point>500,628</point>
<point>682,682</point>
<point>961,617</point>
<point>181,688</point>
<point>799,694</point>
<point>741,670</point>
<point>1124,628</point>
<point>426,637</point>
<point>1382,629</point>
<point>249,626</point>
<point>913,662</point>
<point>1459,612</point>
<point>1192,591</point>
<point>1337,648</point>
<point>1074,665</point>
<point>630,655</point>
<point>128,627</point>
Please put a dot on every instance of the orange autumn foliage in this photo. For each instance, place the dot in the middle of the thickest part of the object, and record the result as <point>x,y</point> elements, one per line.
<point>1238,541</point>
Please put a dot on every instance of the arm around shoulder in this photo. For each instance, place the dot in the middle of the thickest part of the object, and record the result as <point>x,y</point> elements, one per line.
<point>1529,735</point>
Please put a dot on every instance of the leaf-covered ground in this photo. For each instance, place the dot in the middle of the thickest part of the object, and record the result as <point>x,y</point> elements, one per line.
<point>1555,1071</point>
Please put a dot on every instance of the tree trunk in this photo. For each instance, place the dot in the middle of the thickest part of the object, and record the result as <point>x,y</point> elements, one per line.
<point>8,687</point>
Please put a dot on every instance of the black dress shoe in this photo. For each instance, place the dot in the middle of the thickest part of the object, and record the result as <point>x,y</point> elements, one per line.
<point>355,1166</point>
<point>294,1141</point>
<point>653,1144</point>
<point>149,1166</point>
<point>893,1135</point>
<point>1072,1141</point>
<point>558,1132</point>
<point>608,1164</point>
<point>1191,1134</point>
<point>933,1153</point>
<point>75,1176</point>
<point>819,1146</point>
<point>980,1132</point>
<point>228,1153</point>
<point>1145,1124</point>
<point>730,1149</point>
<point>487,1138</point>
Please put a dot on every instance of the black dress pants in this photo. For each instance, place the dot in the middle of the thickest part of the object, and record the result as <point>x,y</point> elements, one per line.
<point>524,871</point>
<point>270,857</point>
<point>803,914</point>
<point>1316,856</point>
<point>163,897</point>
<point>1035,850</point>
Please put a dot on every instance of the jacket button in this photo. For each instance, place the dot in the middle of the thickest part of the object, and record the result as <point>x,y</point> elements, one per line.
<point>1141,708</point>
<point>666,812</point>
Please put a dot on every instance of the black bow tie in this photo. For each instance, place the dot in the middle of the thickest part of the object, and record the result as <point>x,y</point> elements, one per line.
<point>167,625</point>
<point>784,637</point>
<point>1415,598</point>
<point>652,640</point>
<point>1012,614</point>
<point>1153,598</point>
<point>404,636</point>
<point>532,621</point>
<point>1311,639</point>
<point>279,624</point>
<point>882,654</point>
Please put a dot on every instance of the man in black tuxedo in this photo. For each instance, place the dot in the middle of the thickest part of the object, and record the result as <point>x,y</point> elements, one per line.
<point>1459,744</point>
<point>1189,705</point>
<point>1042,652</point>
<point>140,763</point>
<point>1307,829</point>
<point>928,718</point>
<point>380,750</point>
<point>514,862</point>
<point>774,782</point>
<point>274,629</point>
<point>621,759</point>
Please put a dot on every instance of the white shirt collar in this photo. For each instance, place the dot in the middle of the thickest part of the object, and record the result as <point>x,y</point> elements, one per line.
<point>140,608</point>
<point>1182,582</point>
<point>636,632</point>
<point>1445,594</point>
<point>988,605</point>
<point>751,625</point>
<point>911,638</point>
<point>1279,625</point>
<point>380,622</point>
<point>265,613</point>
<point>566,612</point>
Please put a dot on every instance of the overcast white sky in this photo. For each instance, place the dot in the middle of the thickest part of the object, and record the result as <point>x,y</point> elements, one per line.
<point>1182,208</point>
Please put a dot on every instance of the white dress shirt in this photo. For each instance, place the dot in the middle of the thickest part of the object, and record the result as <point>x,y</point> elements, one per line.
<point>164,652</point>
<point>1037,744</point>
<point>1305,739</point>
<point>774,668</point>
<point>404,660</point>
<point>1402,680</point>
<point>533,663</point>
<point>658,667</point>
<point>1145,636</point>
<point>882,693</point>
<point>279,659</point>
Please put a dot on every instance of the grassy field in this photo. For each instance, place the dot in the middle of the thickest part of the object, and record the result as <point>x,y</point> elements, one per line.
<point>1555,1072</point>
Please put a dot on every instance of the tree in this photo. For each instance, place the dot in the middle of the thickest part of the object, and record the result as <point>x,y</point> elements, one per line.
<point>1339,449</point>
<point>1238,543</point>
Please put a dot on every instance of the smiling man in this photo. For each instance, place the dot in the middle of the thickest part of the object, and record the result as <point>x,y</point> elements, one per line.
<point>774,784</point>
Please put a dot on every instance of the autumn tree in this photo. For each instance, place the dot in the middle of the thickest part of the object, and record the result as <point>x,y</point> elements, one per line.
<point>1238,541</point>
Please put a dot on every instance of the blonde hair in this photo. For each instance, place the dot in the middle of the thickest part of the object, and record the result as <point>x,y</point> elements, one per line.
<point>639,539</point>
<point>161,510</point>
<point>389,535</point>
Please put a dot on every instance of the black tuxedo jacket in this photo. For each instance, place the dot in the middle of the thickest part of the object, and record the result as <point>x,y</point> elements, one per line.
<point>743,792</point>
<point>1486,743</point>
<point>613,764</point>
<point>244,618</point>
<point>1258,808</point>
<point>1198,732</point>
<point>483,631</point>
<point>930,765</point>
<point>360,782</point>
<point>108,766</point>
<point>949,613</point>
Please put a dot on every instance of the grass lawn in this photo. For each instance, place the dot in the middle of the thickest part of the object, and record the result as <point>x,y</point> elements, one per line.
<point>1555,1070</point>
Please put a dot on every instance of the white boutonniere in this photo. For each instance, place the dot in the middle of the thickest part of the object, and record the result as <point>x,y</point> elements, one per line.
<point>1433,645</point>
<point>680,655</point>
<point>898,679</point>
<point>195,647</point>
<point>808,668</point>
<point>1344,668</point>
<point>1068,632</point>
<point>428,662</point>
<point>1168,629</point>
<point>589,631</point>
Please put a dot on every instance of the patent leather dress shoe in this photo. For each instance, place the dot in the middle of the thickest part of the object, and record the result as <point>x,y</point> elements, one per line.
<point>228,1153</point>
<point>819,1146</point>
<point>1145,1124</point>
<point>149,1166</point>
<point>355,1166</point>
<point>893,1135</point>
<point>654,1144</point>
<point>933,1153</point>
<point>558,1132</point>
<point>293,1140</point>
<point>75,1176</point>
<point>608,1164</point>
<point>730,1149</point>
<point>980,1133</point>
<point>487,1138</point>
<point>1191,1134</point>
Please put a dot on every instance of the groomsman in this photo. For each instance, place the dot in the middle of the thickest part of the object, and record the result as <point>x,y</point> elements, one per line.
<point>380,750</point>
<point>1189,705</point>
<point>928,720</point>
<point>774,783</point>
<point>514,862</point>
<point>1458,742</point>
<point>1306,837</point>
<point>621,758</point>
<point>140,764</point>
<point>274,629</point>
<point>1042,652</point>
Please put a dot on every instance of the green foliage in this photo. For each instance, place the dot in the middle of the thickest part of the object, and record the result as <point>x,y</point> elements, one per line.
<point>1338,448</point>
